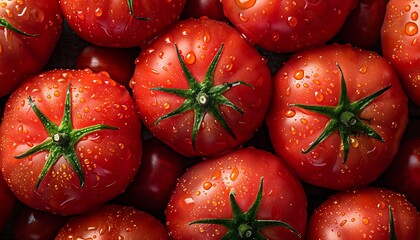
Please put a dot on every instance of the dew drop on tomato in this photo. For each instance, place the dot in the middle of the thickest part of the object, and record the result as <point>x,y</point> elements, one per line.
<point>245,4</point>
<point>411,28</point>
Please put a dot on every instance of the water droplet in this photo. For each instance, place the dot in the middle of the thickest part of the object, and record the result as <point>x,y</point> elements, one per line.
<point>292,21</point>
<point>86,109</point>
<point>381,205</point>
<point>411,28</point>
<point>3,4</point>
<point>243,18</point>
<point>365,221</point>
<point>288,91</point>
<point>166,106</point>
<point>414,16</point>
<point>234,174</point>
<point>245,4</point>
<point>57,93</point>
<point>206,37</point>
<point>186,201</point>
<point>314,155</point>
<point>190,58</point>
<point>354,142</point>
<point>207,185</point>
<point>298,75</point>
<point>343,223</point>
<point>290,113</point>
<point>293,130</point>
<point>98,12</point>
<point>414,42</point>
<point>80,15</point>
<point>186,32</point>
<point>216,175</point>
<point>319,97</point>
<point>363,69</point>
<point>407,8</point>
<point>303,120</point>
<point>275,36</point>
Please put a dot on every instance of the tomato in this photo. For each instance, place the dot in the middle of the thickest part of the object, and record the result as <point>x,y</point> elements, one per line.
<point>31,224</point>
<point>365,214</point>
<point>288,26</point>
<point>198,8</point>
<point>113,222</point>
<point>250,187</point>
<point>406,168</point>
<point>118,62</point>
<point>120,23</point>
<point>337,116</point>
<point>29,30</point>
<point>363,26</point>
<point>156,178</point>
<point>399,43</point>
<point>201,88</point>
<point>7,200</point>
<point>70,141</point>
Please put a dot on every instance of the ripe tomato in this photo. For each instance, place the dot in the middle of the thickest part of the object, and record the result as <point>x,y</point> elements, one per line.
<point>7,200</point>
<point>365,214</point>
<point>363,26</point>
<point>337,115</point>
<point>113,222</point>
<point>29,30</point>
<point>406,168</point>
<point>156,178</point>
<point>201,88</point>
<point>216,191</point>
<point>120,23</point>
<point>118,62</point>
<point>288,26</point>
<point>400,45</point>
<point>74,144</point>
<point>31,224</point>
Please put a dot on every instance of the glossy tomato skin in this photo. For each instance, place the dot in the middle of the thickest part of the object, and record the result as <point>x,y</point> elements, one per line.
<point>203,192</point>
<point>7,200</point>
<point>288,26</point>
<point>109,158</point>
<point>313,78</point>
<point>118,62</point>
<point>160,168</point>
<point>109,22</point>
<point>22,56</point>
<point>364,213</point>
<point>198,8</point>
<point>198,40</point>
<point>399,43</point>
<point>113,222</point>
<point>31,224</point>
<point>363,26</point>
<point>403,175</point>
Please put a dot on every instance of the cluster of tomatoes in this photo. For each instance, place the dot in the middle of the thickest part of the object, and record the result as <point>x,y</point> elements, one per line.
<point>210,119</point>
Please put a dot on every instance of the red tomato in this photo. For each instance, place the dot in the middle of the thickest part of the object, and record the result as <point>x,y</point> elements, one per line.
<point>120,23</point>
<point>365,214</point>
<point>337,129</point>
<point>74,144</point>
<point>29,30</point>
<point>363,26</point>
<point>7,200</point>
<point>198,8</point>
<point>403,175</point>
<point>113,222</point>
<point>201,88</point>
<point>156,178</point>
<point>31,224</point>
<point>288,26</point>
<point>399,43</point>
<point>204,192</point>
<point>118,62</point>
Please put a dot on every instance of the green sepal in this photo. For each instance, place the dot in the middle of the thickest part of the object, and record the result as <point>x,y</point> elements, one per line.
<point>131,10</point>
<point>392,233</point>
<point>6,24</point>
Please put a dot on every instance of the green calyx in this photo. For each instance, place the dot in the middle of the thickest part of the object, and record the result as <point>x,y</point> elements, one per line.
<point>202,97</point>
<point>130,8</point>
<point>392,233</point>
<point>61,140</point>
<point>244,225</point>
<point>6,24</point>
<point>344,118</point>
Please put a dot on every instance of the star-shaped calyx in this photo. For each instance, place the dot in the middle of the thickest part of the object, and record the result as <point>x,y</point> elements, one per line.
<point>245,225</point>
<point>344,118</point>
<point>61,140</point>
<point>202,97</point>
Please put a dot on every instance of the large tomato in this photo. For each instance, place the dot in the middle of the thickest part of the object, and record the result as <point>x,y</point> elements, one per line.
<point>337,116</point>
<point>113,222</point>
<point>245,193</point>
<point>201,88</point>
<point>29,30</point>
<point>120,23</point>
<point>367,213</point>
<point>400,33</point>
<point>69,141</point>
<point>288,26</point>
